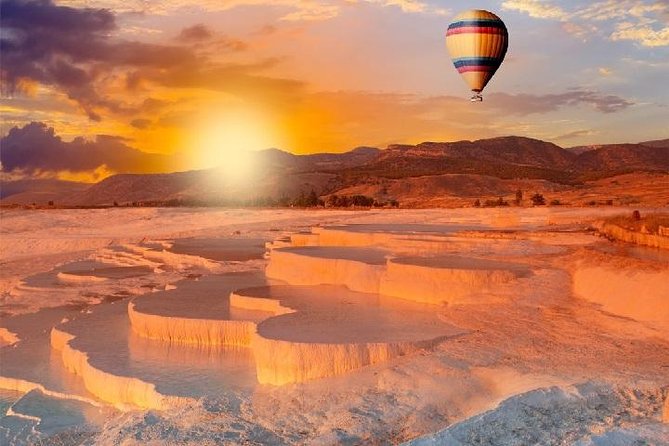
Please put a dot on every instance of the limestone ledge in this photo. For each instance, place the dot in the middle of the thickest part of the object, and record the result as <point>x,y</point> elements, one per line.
<point>299,269</point>
<point>125,393</point>
<point>7,337</point>
<point>79,278</point>
<point>24,386</point>
<point>278,362</point>
<point>425,283</point>
<point>625,235</point>
<point>281,362</point>
<point>439,285</point>
<point>211,332</point>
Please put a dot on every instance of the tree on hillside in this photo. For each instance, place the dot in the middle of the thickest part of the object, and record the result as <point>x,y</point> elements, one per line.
<point>332,201</point>
<point>538,200</point>
<point>312,199</point>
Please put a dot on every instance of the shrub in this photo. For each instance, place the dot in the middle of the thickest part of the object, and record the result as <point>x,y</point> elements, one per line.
<point>538,200</point>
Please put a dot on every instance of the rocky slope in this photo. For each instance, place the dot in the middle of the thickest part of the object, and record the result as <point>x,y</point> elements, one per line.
<point>426,174</point>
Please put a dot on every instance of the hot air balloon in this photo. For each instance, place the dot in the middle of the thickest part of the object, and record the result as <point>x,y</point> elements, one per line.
<point>477,41</point>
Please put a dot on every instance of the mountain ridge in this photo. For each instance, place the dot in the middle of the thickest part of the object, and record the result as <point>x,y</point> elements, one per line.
<point>283,174</point>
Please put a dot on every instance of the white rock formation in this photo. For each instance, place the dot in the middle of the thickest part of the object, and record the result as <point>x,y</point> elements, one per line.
<point>190,330</point>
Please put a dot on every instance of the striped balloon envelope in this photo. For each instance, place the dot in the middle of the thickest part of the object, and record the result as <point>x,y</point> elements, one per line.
<point>477,41</point>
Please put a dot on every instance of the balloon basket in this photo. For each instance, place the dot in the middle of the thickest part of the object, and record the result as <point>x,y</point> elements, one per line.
<point>476,98</point>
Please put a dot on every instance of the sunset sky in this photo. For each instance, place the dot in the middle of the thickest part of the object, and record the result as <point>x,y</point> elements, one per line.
<point>90,88</point>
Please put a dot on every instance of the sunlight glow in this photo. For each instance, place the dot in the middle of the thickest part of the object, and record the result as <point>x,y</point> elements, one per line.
<point>229,141</point>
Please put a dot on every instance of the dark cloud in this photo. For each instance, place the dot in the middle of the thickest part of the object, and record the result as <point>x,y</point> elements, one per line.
<point>526,104</point>
<point>44,42</point>
<point>36,148</point>
<point>75,51</point>
<point>574,134</point>
<point>140,123</point>
<point>206,42</point>
<point>266,30</point>
<point>195,33</point>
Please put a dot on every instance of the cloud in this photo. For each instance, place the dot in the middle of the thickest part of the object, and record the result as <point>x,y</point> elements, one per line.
<point>74,51</point>
<point>583,32</point>
<point>536,8</point>
<point>641,21</point>
<point>604,71</point>
<point>140,123</point>
<point>205,40</point>
<point>526,104</point>
<point>616,9</point>
<point>195,33</point>
<point>409,6</point>
<point>71,49</point>
<point>36,149</point>
<point>645,35</point>
<point>576,134</point>
<point>295,10</point>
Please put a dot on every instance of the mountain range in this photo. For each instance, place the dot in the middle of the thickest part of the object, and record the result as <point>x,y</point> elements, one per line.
<point>426,174</point>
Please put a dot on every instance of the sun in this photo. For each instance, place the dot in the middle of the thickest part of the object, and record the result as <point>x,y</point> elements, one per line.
<point>229,141</point>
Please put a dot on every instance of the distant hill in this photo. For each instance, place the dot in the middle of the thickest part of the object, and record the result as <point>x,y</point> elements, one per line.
<point>507,157</point>
<point>664,143</point>
<point>200,185</point>
<point>581,149</point>
<point>318,161</point>
<point>415,173</point>
<point>38,190</point>
<point>624,158</point>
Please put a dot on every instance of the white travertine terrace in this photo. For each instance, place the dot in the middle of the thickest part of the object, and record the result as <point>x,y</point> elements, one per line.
<point>282,362</point>
<point>331,330</point>
<point>444,280</point>
<point>271,306</point>
<point>79,278</point>
<point>210,339</point>
<point>359,269</point>
<point>436,280</point>
<point>191,330</point>
<point>171,316</point>
<point>280,359</point>
<point>403,237</point>
<point>619,233</point>
<point>121,391</point>
<point>629,292</point>
<point>7,337</point>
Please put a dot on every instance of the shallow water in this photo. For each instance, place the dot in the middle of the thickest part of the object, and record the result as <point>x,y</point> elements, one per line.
<point>655,255</point>
<point>176,369</point>
<point>221,249</point>
<point>37,418</point>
